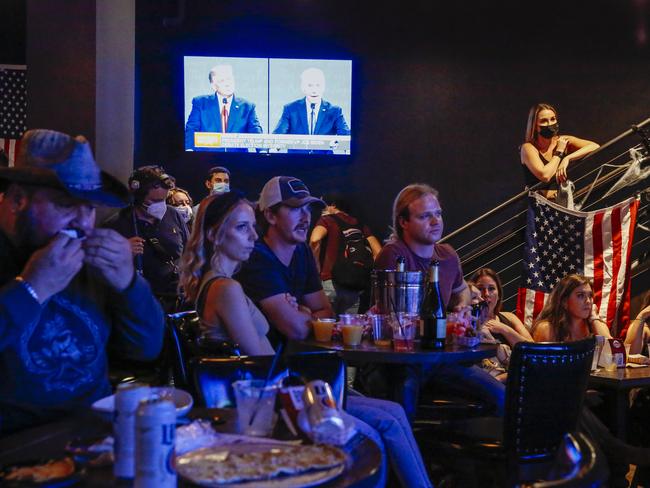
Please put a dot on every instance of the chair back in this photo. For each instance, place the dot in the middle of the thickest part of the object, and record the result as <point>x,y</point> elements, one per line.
<point>545,389</point>
<point>180,336</point>
<point>213,376</point>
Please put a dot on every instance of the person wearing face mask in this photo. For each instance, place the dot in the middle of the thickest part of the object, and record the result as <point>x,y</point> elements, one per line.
<point>181,200</point>
<point>156,231</point>
<point>546,154</point>
<point>216,182</point>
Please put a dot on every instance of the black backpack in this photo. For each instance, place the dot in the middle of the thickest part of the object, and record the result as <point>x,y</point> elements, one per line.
<point>354,260</point>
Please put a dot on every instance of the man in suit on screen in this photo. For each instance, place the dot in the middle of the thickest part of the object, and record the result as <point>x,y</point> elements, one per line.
<point>312,114</point>
<point>221,111</point>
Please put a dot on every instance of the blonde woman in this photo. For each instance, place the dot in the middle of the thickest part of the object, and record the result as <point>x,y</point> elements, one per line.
<point>222,238</point>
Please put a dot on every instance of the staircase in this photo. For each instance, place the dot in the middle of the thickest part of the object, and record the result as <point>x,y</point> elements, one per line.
<point>496,238</point>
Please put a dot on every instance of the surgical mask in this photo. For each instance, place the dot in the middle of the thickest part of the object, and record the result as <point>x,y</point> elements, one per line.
<point>157,209</point>
<point>220,187</point>
<point>548,131</point>
<point>186,213</point>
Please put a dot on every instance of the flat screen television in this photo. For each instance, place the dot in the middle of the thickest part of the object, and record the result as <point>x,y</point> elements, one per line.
<point>267,105</point>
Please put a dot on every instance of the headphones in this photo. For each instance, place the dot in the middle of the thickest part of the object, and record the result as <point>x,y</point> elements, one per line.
<point>144,175</point>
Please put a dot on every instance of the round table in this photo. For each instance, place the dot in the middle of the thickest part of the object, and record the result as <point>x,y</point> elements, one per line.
<point>367,352</point>
<point>48,441</point>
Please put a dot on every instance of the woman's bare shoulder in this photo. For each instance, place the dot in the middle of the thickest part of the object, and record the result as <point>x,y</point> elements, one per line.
<point>543,332</point>
<point>225,288</point>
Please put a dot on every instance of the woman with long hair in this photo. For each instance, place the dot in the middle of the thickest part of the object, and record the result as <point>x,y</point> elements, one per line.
<point>546,154</point>
<point>498,322</point>
<point>569,314</point>
<point>222,238</point>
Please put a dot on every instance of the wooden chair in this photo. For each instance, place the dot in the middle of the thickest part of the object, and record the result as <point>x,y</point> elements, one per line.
<point>544,395</point>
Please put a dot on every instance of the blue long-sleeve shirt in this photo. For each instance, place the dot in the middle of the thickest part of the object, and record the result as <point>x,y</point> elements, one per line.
<point>53,356</point>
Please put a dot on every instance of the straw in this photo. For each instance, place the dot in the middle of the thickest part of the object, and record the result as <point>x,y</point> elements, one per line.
<point>399,322</point>
<point>269,375</point>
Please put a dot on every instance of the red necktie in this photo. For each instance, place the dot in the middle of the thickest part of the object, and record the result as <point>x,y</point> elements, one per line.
<point>224,118</point>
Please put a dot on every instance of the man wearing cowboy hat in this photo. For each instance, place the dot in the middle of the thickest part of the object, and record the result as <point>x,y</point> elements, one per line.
<point>65,286</point>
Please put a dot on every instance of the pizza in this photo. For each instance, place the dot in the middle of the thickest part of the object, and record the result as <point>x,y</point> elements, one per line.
<point>217,465</point>
<point>41,473</point>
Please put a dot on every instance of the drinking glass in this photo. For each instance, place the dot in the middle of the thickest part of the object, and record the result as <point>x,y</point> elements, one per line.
<point>404,326</point>
<point>352,334</point>
<point>323,329</point>
<point>382,331</point>
<point>352,319</point>
<point>253,398</point>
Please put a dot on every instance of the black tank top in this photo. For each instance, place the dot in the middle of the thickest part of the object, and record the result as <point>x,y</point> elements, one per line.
<point>530,179</point>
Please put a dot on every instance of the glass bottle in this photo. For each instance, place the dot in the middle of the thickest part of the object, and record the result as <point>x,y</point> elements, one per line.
<point>433,312</point>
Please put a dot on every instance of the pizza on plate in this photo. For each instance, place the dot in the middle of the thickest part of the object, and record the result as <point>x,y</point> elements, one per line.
<point>220,466</point>
<point>40,473</point>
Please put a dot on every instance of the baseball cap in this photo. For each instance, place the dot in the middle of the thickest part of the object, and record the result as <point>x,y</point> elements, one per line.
<point>286,190</point>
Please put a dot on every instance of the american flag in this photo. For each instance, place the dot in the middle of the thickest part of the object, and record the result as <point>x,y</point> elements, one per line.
<point>13,108</point>
<point>595,244</point>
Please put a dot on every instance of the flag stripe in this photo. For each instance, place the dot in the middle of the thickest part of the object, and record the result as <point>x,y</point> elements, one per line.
<point>596,244</point>
<point>629,223</point>
<point>597,256</point>
<point>614,291</point>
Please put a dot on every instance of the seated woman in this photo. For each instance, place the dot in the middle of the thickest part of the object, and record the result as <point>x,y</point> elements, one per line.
<point>638,333</point>
<point>569,315</point>
<point>223,238</point>
<point>546,154</point>
<point>504,327</point>
<point>506,324</point>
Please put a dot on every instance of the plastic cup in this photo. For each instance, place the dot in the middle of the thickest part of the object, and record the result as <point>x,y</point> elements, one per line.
<point>352,319</point>
<point>404,326</point>
<point>253,397</point>
<point>382,332</point>
<point>352,334</point>
<point>323,329</point>
<point>600,342</point>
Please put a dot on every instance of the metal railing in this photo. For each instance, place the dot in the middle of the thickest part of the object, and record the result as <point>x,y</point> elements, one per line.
<point>495,239</point>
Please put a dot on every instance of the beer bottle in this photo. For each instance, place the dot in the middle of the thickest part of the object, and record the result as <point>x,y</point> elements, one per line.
<point>433,313</point>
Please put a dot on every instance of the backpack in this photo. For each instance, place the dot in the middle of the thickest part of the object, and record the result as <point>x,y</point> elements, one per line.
<point>354,260</point>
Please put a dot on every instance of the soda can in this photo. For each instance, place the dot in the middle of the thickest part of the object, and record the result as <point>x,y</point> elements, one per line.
<point>127,399</point>
<point>325,421</point>
<point>155,426</point>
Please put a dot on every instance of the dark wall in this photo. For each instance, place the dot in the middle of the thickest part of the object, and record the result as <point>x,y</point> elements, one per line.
<point>441,92</point>
<point>61,66</point>
<point>12,34</point>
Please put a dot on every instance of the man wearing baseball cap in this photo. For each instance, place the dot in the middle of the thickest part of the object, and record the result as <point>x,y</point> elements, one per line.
<point>281,276</point>
<point>65,286</point>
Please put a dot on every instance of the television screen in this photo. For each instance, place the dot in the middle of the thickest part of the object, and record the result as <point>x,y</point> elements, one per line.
<point>267,105</point>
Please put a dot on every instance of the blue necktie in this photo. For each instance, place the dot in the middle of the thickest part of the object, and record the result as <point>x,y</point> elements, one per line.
<point>311,119</point>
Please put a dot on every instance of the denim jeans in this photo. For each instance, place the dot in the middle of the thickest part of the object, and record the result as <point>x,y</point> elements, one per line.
<point>397,441</point>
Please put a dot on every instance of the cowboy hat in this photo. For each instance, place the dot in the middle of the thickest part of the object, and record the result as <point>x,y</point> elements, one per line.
<point>57,160</point>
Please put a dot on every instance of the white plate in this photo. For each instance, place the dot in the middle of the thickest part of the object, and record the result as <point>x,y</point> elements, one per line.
<point>182,399</point>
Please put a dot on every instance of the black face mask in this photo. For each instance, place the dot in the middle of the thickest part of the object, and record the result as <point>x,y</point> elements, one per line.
<point>548,131</point>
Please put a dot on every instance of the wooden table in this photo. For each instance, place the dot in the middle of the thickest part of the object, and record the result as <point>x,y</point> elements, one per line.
<point>368,352</point>
<point>619,383</point>
<point>48,442</point>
